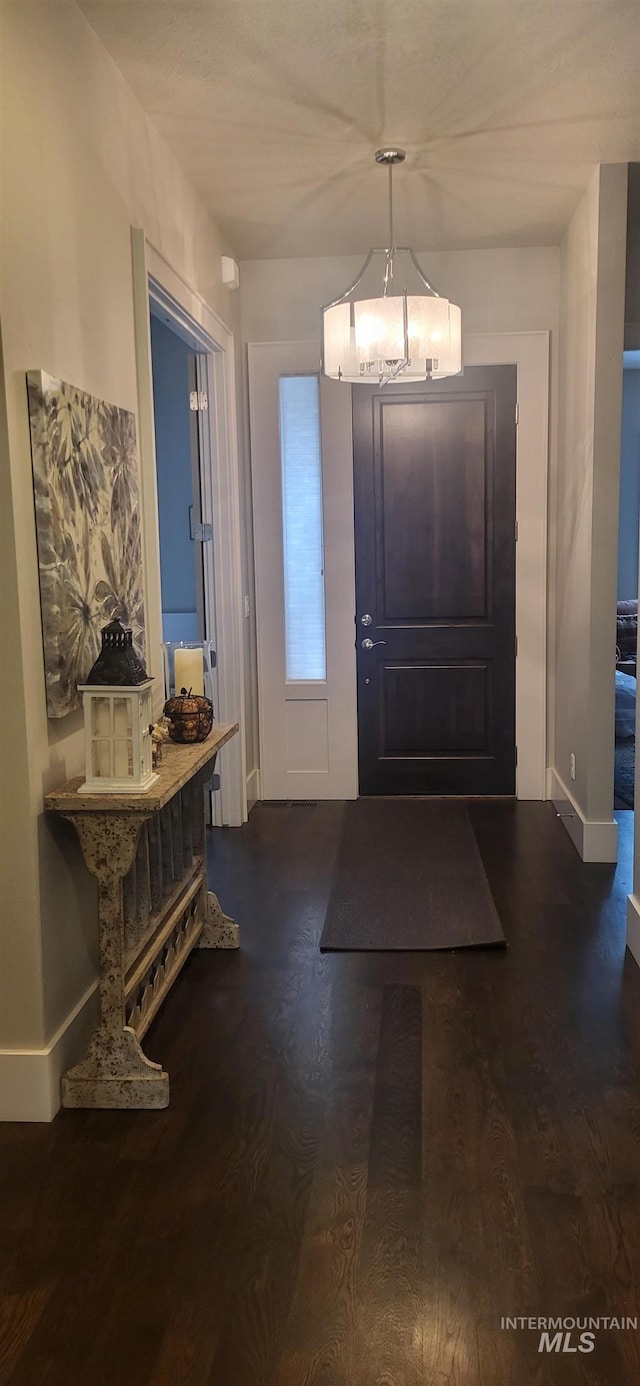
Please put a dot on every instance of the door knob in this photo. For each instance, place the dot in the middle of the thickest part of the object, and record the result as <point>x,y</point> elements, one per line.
<point>368,644</point>
<point>367,620</point>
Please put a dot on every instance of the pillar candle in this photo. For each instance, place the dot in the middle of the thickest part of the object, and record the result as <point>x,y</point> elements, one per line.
<point>189,670</point>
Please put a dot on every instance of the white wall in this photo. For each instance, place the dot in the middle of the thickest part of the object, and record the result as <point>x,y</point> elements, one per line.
<point>498,290</point>
<point>81,164</point>
<point>21,1013</point>
<point>586,504</point>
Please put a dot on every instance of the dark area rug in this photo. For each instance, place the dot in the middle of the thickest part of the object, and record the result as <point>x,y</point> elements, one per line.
<point>625,756</point>
<point>409,876</point>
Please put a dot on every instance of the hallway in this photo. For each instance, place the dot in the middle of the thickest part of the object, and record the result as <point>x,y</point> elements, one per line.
<point>368,1160</point>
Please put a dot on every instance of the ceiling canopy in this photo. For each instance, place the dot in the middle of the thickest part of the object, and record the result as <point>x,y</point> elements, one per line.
<point>274,109</point>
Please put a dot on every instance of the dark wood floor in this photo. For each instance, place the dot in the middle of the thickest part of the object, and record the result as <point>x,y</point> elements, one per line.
<point>368,1159</point>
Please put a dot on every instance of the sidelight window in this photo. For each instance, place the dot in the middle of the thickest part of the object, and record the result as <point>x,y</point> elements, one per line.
<point>302,528</point>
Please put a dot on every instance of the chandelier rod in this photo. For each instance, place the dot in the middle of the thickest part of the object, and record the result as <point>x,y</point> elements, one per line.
<point>391,241</point>
<point>390,157</point>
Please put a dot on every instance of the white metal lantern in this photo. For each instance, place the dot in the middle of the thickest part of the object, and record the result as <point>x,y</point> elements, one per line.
<point>118,745</point>
<point>117,713</point>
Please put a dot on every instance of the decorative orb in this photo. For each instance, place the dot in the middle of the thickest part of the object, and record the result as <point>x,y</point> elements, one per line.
<point>190,717</point>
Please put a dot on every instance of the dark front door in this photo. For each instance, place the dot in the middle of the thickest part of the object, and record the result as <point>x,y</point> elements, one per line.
<point>435,584</point>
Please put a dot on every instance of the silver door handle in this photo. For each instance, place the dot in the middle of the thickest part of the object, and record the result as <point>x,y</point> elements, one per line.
<point>370,644</point>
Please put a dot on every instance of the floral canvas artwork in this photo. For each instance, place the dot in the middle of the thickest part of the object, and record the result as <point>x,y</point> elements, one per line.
<point>85,470</point>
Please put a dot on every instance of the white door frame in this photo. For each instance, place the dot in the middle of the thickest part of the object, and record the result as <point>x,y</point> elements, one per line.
<point>155,279</point>
<point>529,352</point>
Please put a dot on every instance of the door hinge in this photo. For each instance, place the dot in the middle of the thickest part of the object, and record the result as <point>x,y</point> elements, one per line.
<point>516,531</point>
<point>517,414</point>
<point>516,755</point>
<point>198,401</point>
<point>203,534</point>
<point>516,644</point>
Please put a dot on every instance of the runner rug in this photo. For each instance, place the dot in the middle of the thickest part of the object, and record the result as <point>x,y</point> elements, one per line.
<point>409,876</point>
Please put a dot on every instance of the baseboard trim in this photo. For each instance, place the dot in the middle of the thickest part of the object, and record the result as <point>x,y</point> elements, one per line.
<point>30,1078</point>
<point>633,927</point>
<point>253,789</point>
<point>593,840</point>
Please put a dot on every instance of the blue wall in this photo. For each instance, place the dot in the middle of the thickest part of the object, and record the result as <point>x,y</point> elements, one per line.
<point>629,486</point>
<point>173,457</point>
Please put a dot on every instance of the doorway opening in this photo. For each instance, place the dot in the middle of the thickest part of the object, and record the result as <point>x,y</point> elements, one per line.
<point>185,518</point>
<point>627,608</point>
<point>161,292</point>
<point>179,483</point>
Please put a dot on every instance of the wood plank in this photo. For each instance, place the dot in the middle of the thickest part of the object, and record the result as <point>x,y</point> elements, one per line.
<point>19,1314</point>
<point>321,1333</point>
<point>389,1336</point>
<point>261,1264</point>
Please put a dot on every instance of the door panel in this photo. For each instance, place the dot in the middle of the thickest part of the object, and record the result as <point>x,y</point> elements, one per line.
<point>433,708</point>
<point>435,571</point>
<point>308,731</point>
<point>432,479</point>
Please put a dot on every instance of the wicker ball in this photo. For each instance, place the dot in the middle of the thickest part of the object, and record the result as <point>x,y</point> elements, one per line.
<point>190,717</point>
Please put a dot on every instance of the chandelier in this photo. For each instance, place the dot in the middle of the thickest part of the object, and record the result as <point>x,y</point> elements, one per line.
<point>391,322</point>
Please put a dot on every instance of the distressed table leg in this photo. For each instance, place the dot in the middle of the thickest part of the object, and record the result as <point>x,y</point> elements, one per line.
<point>219,930</point>
<point>115,1072</point>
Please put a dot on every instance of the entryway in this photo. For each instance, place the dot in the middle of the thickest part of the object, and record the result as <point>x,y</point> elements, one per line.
<point>448,700</point>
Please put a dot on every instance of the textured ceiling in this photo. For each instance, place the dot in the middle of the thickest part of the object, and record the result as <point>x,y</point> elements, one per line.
<point>275,107</point>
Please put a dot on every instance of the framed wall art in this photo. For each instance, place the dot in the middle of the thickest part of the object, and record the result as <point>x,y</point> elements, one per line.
<point>85,471</point>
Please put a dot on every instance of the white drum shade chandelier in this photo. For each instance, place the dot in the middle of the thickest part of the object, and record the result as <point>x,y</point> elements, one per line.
<point>391,322</point>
